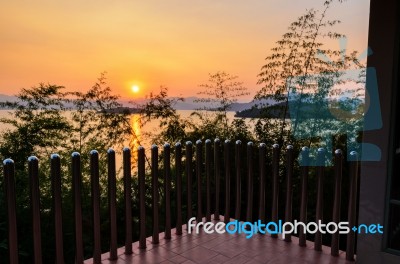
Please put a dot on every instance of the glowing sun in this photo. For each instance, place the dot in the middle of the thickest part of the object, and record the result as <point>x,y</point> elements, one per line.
<point>135,88</point>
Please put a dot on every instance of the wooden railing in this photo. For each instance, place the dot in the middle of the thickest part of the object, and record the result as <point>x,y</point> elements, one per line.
<point>212,169</point>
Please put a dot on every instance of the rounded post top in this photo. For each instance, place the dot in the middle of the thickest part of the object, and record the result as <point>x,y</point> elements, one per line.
<point>94,152</point>
<point>126,149</point>
<point>262,145</point>
<point>289,147</point>
<point>54,156</point>
<point>338,152</point>
<point>305,149</point>
<point>8,161</point>
<point>275,146</point>
<point>250,144</point>
<point>321,150</point>
<point>110,150</point>
<point>305,157</point>
<point>216,140</point>
<point>227,141</point>
<point>208,141</point>
<point>198,142</point>
<point>188,143</point>
<point>140,148</point>
<point>353,156</point>
<point>238,142</point>
<point>154,146</point>
<point>178,144</point>
<point>75,154</point>
<point>321,157</point>
<point>167,145</point>
<point>32,158</point>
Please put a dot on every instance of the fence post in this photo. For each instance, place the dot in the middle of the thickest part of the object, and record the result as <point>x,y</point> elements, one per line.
<point>9,184</point>
<point>94,179</point>
<point>112,202</point>
<point>167,189</point>
<point>261,209</point>
<point>55,172</point>
<point>76,189</point>
<point>238,160</point>
<point>250,173</point>
<point>142,198</point>
<point>320,196</point>
<point>33,168</point>
<point>337,200</point>
<point>198,179</point>
<point>127,199</point>
<point>289,188</point>
<point>178,169</point>
<point>188,169</point>
<point>154,178</point>
<point>217,173</point>
<point>208,176</point>
<point>352,205</point>
<point>305,162</point>
<point>227,161</point>
<point>275,184</point>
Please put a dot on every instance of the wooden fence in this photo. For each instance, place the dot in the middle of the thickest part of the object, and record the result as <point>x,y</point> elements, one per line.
<point>211,169</point>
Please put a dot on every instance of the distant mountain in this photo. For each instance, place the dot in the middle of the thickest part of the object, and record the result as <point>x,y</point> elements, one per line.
<point>238,107</point>
<point>9,98</point>
<point>273,111</point>
<point>4,97</point>
<point>189,103</point>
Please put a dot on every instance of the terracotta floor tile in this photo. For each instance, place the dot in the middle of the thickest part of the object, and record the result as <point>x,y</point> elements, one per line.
<point>229,249</point>
<point>143,258</point>
<point>179,248</point>
<point>199,254</point>
<point>239,259</point>
<point>162,251</point>
<point>178,259</point>
<point>189,262</point>
<point>285,259</point>
<point>220,259</point>
<point>213,243</point>
<point>253,261</point>
<point>224,248</point>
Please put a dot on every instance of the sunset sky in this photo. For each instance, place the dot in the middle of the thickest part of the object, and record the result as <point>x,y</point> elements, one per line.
<point>174,43</point>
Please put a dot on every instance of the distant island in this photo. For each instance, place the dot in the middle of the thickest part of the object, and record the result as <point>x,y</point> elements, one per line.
<point>272,111</point>
<point>188,103</point>
<point>122,110</point>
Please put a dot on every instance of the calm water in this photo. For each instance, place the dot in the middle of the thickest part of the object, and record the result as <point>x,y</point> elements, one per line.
<point>144,133</point>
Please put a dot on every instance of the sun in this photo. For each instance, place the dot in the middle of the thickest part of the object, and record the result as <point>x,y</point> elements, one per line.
<point>135,88</point>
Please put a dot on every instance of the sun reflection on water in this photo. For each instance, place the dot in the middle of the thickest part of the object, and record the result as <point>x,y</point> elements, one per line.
<point>135,138</point>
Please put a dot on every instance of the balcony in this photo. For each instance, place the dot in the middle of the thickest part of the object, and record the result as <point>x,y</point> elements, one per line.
<point>223,248</point>
<point>234,165</point>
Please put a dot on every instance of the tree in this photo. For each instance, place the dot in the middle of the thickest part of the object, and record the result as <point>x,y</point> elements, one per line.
<point>221,91</point>
<point>208,122</point>
<point>45,119</point>
<point>37,125</point>
<point>298,54</point>
<point>160,107</point>
<point>93,122</point>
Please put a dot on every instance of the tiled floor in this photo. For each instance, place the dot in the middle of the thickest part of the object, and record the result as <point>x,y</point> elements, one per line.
<point>225,248</point>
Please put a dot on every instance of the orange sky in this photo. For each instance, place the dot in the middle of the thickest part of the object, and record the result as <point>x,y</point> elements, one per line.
<point>174,43</point>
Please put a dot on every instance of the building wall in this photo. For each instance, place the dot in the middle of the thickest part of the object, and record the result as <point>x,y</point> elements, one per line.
<point>383,40</point>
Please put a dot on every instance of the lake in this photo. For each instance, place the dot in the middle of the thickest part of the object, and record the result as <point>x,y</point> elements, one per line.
<point>144,133</point>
